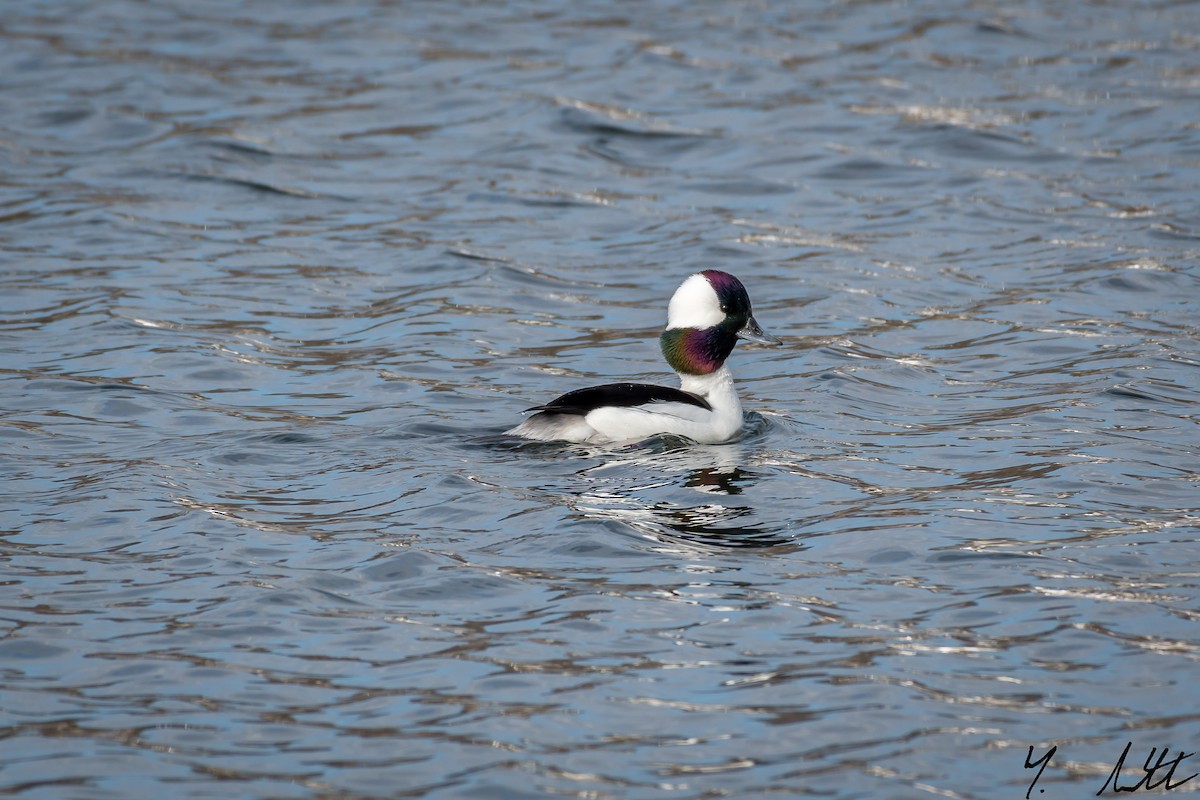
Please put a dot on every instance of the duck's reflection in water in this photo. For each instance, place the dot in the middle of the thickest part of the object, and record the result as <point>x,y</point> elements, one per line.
<point>648,488</point>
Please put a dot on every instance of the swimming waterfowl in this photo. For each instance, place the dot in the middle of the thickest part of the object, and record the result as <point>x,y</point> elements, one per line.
<point>707,314</point>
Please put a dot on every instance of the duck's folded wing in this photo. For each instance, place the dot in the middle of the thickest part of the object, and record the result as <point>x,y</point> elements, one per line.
<point>621,395</point>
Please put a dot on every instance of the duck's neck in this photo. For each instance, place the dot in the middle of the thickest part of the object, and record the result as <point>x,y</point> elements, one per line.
<point>698,351</point>
<point>715,387</point>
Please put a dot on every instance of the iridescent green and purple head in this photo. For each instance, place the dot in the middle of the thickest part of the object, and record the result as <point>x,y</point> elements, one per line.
<point>708,313</point>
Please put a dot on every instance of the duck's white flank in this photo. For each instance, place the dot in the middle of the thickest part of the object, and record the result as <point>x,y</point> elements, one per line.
<point>722,423</point>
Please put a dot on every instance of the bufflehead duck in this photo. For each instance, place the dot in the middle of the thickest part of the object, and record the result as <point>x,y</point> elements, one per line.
<point>708,313</point>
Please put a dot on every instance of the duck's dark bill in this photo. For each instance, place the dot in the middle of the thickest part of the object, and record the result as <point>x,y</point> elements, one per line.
<point>752,332</point>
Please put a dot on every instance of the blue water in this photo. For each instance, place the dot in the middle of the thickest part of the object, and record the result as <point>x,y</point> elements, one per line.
<point>275,277</point>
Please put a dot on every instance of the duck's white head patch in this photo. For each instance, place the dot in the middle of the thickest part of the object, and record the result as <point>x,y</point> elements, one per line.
<point>695,305</point>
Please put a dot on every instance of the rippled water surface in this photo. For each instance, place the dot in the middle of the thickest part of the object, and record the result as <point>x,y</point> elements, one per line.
<point>276,276</point>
